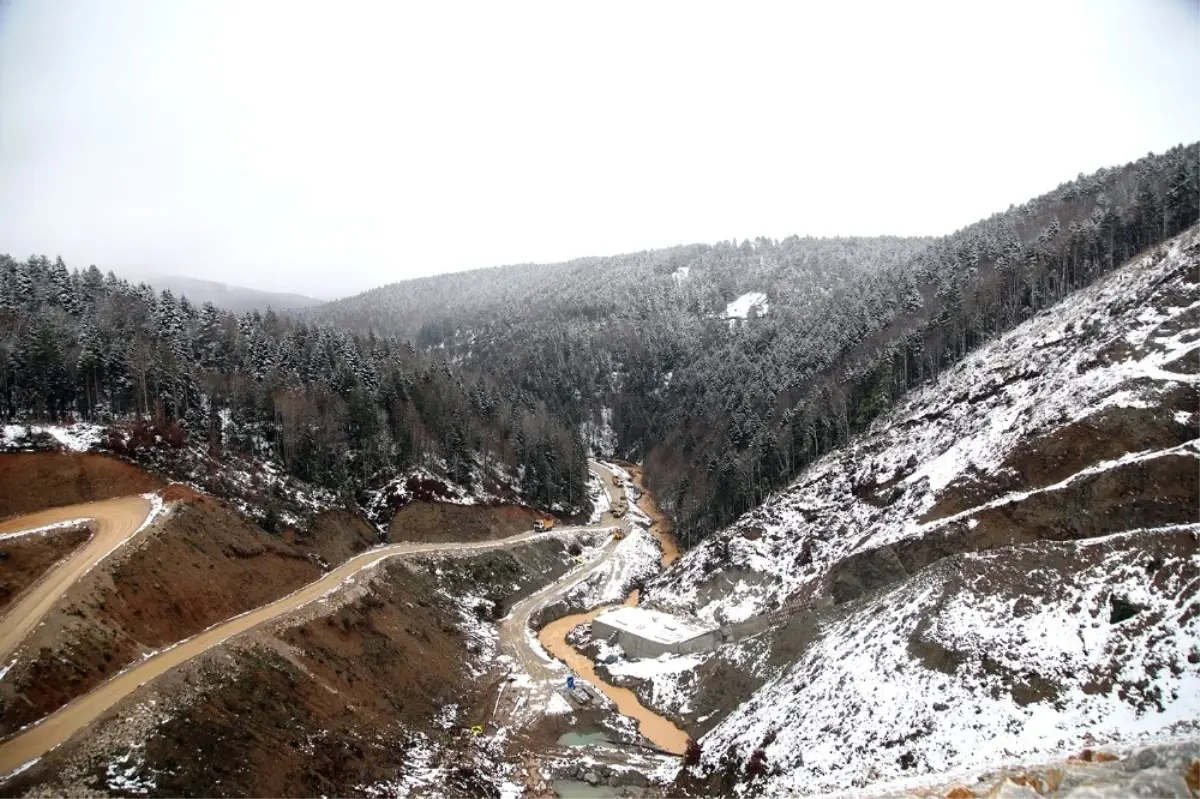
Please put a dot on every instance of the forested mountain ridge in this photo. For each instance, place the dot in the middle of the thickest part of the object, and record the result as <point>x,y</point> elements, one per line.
<point>238,299</point>
<point>723,413</point>
<point>339,411</point>
<point>459,309</point>
<point>1001,569</point>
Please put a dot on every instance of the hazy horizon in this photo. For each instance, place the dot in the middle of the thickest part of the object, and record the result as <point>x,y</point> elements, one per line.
<point>324,151</point>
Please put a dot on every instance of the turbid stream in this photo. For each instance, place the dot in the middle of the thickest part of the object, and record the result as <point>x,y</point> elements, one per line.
<point>553,637</point>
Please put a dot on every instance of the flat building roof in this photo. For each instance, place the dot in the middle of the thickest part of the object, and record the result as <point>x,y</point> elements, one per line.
<point>652,625</point>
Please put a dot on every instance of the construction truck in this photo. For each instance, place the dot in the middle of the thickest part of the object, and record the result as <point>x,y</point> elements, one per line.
<point>543,525</point>
<point>620,508</point>
<point>617,481</point>
<point>617,534</point>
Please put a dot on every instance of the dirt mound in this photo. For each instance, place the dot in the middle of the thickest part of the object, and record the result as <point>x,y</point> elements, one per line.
<point>337,535</point>
<point>425,521</point>
<point>203,565</point>
<point>33,481</point>
<point>178,492</point>
<point>23,560</point>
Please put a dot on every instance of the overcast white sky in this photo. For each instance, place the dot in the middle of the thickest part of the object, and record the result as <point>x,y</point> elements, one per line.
<point>328,148</point>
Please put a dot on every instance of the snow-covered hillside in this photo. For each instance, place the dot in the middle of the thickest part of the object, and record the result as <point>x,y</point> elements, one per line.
<point>1003,567</point>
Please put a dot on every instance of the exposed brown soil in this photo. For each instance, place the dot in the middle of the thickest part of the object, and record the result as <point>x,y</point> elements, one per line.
<point>202,566</point>
<point>23,560</point>
<point>34,481</point>
<point>327,705</point>
<point>1050,458</point>
<point>426,521</point>
<point>337,535</point>
<point>1144,494</point>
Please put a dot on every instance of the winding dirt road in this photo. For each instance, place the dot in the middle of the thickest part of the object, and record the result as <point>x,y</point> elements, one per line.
<point>32,742</point>
<point>528,698</point>
<point>113,522</point>
<point>119,519</point>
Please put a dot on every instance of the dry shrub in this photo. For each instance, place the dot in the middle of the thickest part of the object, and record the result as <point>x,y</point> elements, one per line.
<point>178,492</point>
<point>1029,781</point>
<point>756,766</point>
<point>1192,777</point>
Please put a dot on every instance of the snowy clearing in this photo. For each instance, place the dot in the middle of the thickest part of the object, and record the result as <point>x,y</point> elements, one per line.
<point>743,305</point>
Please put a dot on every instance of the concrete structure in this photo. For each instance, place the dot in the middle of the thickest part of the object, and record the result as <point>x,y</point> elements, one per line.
<point>643,633</point>
<point>646,633</point>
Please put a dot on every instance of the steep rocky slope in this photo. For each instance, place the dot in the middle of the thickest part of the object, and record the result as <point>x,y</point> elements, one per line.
<point>1003,567</point>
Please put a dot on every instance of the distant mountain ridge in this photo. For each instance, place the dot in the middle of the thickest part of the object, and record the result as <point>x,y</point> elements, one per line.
<point>238,299</point>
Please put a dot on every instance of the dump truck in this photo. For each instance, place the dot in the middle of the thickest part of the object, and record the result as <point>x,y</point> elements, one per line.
<point>617,481</point>
<point>542,525</point>
<point>620,508</point>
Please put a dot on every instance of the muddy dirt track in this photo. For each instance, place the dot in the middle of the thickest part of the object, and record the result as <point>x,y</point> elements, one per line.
<point>113,521</point>
<point>37,739</point>
<point>117,520</point>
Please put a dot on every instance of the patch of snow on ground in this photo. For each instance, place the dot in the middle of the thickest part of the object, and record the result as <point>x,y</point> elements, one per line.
<point>481,633</point>
<point>667,676</point>
<point>557,706</point>
<point>634,559</point>
<point>861,705</point>
<point>121,773</point>
<point>740,308</point>
<point>46,528</point>
<point>76,437</point>
<point>447,717</point>
<point>599,497</point>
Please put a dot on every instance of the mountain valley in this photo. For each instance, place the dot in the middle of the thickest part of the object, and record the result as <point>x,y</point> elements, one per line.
<point>880,516</point>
